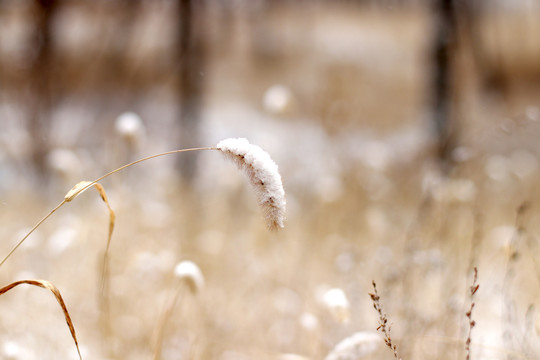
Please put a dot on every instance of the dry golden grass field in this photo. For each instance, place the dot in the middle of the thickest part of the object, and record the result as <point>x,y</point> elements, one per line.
<point>338,97</point>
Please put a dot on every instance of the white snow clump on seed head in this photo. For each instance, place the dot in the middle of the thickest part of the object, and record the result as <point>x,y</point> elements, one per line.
<point>263,175</point>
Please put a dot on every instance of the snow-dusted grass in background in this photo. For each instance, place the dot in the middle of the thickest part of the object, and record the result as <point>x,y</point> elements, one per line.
<point>129,125</point>
<point>189,272</point>
<point>355,346</point>
<point>337,303</point>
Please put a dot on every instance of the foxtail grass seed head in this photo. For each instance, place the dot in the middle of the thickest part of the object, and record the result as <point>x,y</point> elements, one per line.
<point>191,274</point>
<point>355,346</point>
<point>337,303</point>
<point>263,175</point>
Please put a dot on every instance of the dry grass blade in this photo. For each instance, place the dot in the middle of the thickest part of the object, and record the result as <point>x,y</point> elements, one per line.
<point>76,191</point>
<point>49,286</point>
<point>83,186</point>
<point>79,188</point>
<point>112,215</point>
<point>157,336</point>
<point>112,219</point>
<point>104,286</point>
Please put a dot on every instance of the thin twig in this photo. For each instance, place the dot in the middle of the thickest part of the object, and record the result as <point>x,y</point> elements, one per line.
<point>473,289</point>
<point>384,327</point>
<point>31,231</point>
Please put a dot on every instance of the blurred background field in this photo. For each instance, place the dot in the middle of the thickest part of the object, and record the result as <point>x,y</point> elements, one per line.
<point>406,135</point>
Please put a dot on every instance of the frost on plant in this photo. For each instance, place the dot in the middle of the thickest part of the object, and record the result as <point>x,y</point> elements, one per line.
<point>263,174</point>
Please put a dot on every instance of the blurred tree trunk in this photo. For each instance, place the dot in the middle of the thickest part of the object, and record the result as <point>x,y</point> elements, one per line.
<point>191,56</point>
<point>442,84</point>
<point>491,77</point>
<point>122,70</point>
<point>41,88</point>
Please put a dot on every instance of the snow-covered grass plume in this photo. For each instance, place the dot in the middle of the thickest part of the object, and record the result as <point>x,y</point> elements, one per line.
<point>263,175</point>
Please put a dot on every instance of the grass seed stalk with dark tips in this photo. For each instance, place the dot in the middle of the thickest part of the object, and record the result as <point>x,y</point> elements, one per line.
<point>384,327</point>
<point>473,289</point>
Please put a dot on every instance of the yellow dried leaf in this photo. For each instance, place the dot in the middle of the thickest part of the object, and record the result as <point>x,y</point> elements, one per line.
<point>72,194</point>
<point>76,190</point>
<point>112,215</point>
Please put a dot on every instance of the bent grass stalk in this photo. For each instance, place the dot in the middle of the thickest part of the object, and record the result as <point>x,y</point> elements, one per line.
<point>256,163</point>
<point>84,185</point>
<point>157,338</point>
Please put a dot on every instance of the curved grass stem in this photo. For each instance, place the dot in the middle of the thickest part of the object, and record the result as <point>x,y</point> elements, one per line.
<point>92,183</point>
<point>31,231</point>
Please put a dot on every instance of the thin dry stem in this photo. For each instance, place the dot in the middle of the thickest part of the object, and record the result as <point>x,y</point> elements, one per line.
<point>31,231</point>
<point>152,157</point>
<point>508,319</point>
<point>80,189</point>
<point>162,322</point>
<point>473,289</point>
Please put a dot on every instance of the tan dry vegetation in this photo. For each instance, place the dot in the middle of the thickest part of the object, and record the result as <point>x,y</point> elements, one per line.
<point>393,219</point>
<point>419,248</point>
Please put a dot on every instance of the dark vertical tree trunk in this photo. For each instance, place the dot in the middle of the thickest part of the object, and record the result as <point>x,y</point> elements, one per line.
<point>442,86</point>
<point>120,70</point>
<point>191,77</point>
<point>41,85</point>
